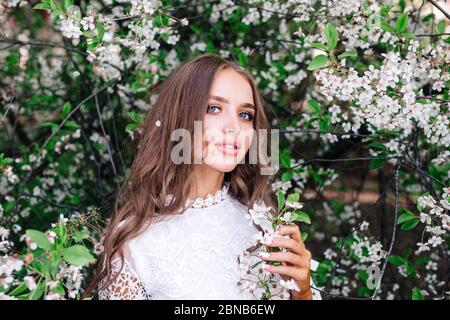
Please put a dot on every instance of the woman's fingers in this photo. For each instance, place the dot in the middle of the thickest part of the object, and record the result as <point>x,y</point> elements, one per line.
<point>290,244</point>
<point>289,257</point>
<point>299,274</point>
<point>293,231</point>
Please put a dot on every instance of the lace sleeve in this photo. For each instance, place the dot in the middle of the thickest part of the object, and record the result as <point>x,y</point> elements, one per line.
<point>126,286</point>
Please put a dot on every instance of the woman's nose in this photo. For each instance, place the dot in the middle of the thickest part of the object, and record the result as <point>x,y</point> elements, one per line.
<point>232,125</point>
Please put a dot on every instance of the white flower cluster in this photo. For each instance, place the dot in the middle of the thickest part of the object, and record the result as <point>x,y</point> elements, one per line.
<point>72,276</point>
<point>70,27</point>
<point>359,253</point>
<point>63,141</point>
<point>73,24</point>
<point>367,251</point>
<point>8,171</point>
<point>107,58</point>
<point>378,107</point>
<point>9,264</point>
<point>254,279</point>
<point>144,6</point>
<point>436,220</point>
<point>4,243</point>
<point>110,61</point>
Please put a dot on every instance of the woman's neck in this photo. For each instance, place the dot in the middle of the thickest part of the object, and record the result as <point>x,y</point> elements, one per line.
<point>206,181</point>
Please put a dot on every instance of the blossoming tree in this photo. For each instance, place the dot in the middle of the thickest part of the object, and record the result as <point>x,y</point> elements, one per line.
<point>359,90</point>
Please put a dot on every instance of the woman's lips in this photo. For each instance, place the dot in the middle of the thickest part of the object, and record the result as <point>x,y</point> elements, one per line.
<point>228,149</point>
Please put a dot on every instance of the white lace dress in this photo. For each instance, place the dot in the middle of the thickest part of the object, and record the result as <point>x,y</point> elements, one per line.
<point>188,256</point>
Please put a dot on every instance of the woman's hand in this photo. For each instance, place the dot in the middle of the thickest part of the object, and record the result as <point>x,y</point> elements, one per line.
<point>297,259</point>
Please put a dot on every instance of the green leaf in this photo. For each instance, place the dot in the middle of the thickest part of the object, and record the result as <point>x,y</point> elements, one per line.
<point>243,59</point>
<point>346,54</point>
<point>131,127</point>
<point>101,31</point>
<point>285,159</point>
<point>66,110</point>
<point>39,237</point>
<point>286,176</point>
<point>5,161</point>
<point>59,289</point>
<point>77,255</point>
<point>135,117</point>
<point>72,124</point>
<point>66,4</point>
<point>315,106</point>
<point>376,163</point>
<point>386,26</point>
<point>410,271</point>
<point>54,264</point>
<point>318,62</point>
<point>377,145</point>
<point>324,124</point>
<point>38,291</point>
<point>396,260</point>
<point>416,294</point>
<point>441,26</point>
<point>409,224</point>
<point>332,36</point>
<point>42,6</point>
<point>281,200</point>
<point>56,9</point>
<point>310,122</point>
<point>363,275</point>
<point>18,290</point>
<point>304,235</point>
<point>293,197</point>
<point>302,216</point>
<point>318,45</point>
<point>165,36</point>
<point>80,235</point>
<point>423,260</point>
<point>402,22</point>
<point>406,252</point>
<point>408,216</point>
<point>62,232</point>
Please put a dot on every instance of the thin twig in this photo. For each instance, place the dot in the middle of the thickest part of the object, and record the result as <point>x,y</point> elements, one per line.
<point>434,3</point>
<point>394,231</point>
<point>104,135</point>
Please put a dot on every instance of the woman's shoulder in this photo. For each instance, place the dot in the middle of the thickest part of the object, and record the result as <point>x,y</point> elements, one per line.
<point>165,232</point>
<point>159,235</point>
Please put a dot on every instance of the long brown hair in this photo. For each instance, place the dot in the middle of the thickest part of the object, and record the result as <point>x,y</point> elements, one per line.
<point>182,99</point>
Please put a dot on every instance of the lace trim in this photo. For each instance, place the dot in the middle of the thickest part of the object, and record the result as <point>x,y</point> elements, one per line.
<point>208,201</point>
<point>126,286</point>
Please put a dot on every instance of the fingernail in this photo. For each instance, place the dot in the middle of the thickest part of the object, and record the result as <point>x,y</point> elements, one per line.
<point>264,254</point>
<point>267,267</point>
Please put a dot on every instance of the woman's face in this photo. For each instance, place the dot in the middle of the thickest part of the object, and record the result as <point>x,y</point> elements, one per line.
<point>228,123</point>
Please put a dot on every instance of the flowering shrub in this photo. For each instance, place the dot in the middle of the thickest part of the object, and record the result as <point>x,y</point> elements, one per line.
<point>51,265</point>
<point>358,89</point>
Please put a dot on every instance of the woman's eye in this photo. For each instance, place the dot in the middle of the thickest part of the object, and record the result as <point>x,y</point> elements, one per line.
<point>247,116</point>
<point>212,107</point>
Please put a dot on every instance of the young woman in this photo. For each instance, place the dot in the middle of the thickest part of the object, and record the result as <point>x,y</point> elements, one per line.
<point>180,225</point>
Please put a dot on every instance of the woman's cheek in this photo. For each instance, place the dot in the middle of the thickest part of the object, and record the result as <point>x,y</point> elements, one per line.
<point>247,139</point>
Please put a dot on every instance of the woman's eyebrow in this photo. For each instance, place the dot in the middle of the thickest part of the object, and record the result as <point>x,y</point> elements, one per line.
<point>224,100</point>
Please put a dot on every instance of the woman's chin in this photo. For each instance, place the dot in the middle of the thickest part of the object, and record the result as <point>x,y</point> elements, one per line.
<point>223,165</point>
